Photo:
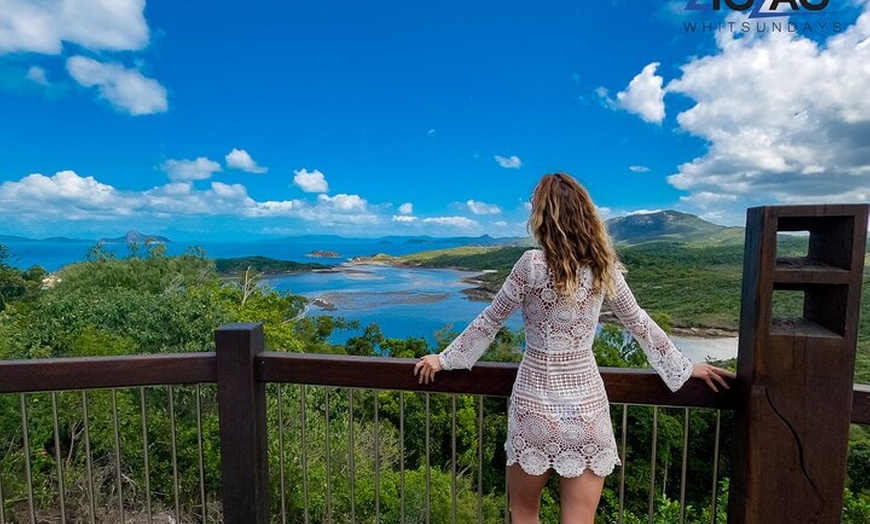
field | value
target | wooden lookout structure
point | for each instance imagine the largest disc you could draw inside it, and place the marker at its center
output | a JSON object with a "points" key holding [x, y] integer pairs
{"points": [[795, 375]]}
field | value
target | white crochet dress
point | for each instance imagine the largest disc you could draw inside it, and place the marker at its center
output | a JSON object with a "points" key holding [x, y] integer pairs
{"points": [[559, 415]]}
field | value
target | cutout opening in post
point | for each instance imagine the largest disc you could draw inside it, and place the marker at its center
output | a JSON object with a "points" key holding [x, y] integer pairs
{"points": [[810, 310], [819, 242]]}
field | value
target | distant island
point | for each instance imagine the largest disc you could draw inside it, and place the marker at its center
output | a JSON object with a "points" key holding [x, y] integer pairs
{"points": [[323, 254], [230, 267], [135, 237]]}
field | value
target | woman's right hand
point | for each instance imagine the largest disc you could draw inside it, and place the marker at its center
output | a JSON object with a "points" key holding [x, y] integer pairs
{"points": [[712, 375], [426, 368]]}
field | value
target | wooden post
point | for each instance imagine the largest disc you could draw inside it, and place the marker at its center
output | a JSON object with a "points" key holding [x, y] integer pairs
{"points": [[795, 375], [242, 414]]}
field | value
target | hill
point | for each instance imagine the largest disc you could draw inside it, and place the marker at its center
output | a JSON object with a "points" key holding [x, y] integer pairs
{"points": [[671, 225]]}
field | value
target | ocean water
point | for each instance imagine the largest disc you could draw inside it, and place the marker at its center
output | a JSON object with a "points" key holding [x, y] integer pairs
{"points": [[53, 255]]}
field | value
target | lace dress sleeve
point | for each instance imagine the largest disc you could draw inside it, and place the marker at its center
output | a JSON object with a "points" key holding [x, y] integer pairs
{"points": [[465, 349], [674, 367]]}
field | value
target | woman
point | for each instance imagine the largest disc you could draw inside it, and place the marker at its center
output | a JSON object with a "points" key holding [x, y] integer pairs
{"points": [[559, 415]]}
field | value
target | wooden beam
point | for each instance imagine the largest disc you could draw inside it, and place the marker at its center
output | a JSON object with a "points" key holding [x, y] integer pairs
{"points": [[57, 374], [631, 386]]}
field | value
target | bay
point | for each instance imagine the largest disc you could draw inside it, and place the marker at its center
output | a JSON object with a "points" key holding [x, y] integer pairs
{"points": [[417, 302], [403, 302]]}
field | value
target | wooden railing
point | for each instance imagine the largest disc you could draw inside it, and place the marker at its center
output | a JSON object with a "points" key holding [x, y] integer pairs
{"points": [[241, 368]]}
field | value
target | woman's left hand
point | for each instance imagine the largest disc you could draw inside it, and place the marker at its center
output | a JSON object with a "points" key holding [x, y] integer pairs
{"points": [[426, 368], [712, 375]]}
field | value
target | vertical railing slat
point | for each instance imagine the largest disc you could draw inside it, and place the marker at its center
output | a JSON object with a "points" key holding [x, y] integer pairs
{"points": [[173, 446], [280, 402], [145, 454], [57, 457], [652, 466], [89, 461], [27, 472], [684, 465], [117, 432], [715, 490], [402, 456], [304, 435], [200, 457], [622, 453]]}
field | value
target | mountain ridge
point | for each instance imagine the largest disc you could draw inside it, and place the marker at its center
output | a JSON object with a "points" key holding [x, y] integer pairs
{"points": [[673, 225]]}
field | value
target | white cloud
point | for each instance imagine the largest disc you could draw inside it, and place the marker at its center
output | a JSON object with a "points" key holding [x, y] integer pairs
{"points": [[406, 209], [185, 170], [62, 196], [104, 26], [42, 27], [768, 142], [240, 159], [313, 182], [344, 203], [67, 196], [643, 212], [279, 208], [38, 75], [509, 162], [775, 143], [639, 169], [705, 199], [482, 208], [63, 185], [126, 89], [644, 95], [457, 222]]}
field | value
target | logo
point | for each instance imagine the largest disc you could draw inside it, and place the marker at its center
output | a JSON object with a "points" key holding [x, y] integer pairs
{"points": [[761, 8]]}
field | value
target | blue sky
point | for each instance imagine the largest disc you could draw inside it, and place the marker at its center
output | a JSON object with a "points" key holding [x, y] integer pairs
{"points": [[203, 120]]}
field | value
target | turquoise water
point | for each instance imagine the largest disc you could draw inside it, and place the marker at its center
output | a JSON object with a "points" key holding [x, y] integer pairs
{"points": [[404, 302]]}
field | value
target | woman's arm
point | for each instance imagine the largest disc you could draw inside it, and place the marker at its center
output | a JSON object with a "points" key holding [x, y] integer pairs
{"points": [[468, 347], [671, 364]]}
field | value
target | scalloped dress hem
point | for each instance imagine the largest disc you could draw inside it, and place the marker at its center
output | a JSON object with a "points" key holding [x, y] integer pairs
{"points": [[601, 466]]}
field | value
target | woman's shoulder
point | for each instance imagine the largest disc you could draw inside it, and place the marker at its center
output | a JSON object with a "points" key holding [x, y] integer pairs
{"points": [[532, 256]]}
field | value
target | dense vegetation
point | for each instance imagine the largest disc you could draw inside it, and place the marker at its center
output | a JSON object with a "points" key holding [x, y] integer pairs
{"points": [[153, 303], [263, 265]]}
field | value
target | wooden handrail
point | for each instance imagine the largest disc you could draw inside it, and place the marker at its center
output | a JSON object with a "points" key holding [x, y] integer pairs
{"points": [[58, 374], [629, 386], [861, 404]]}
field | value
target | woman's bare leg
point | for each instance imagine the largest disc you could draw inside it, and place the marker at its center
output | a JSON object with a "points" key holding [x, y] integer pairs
{"points": [[525, 494], [579, 497]]}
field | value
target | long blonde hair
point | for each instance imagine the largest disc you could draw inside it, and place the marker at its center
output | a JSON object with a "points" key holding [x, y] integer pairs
{"points": [[572, 235]]}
